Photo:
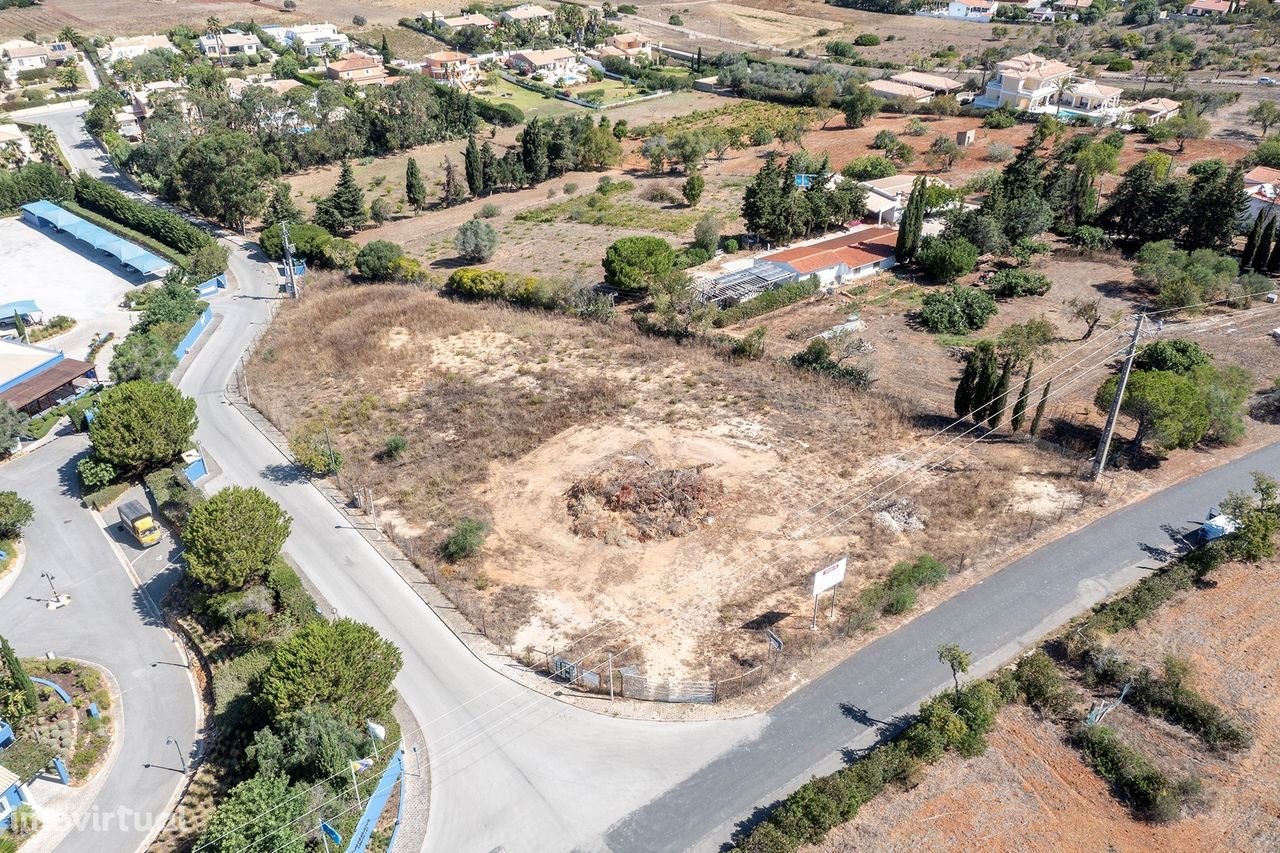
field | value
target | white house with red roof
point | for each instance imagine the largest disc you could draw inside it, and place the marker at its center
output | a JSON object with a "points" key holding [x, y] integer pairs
{"points": [[1207, 8], [1262, 188]]}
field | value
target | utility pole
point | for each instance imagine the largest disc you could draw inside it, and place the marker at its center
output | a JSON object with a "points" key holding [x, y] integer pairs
{"points": [[288, 259], [1104, 443]]}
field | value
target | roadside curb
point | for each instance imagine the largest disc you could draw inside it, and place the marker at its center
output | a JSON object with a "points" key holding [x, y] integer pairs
{"points": [[90, 790], [9, 578], [473, 640]]}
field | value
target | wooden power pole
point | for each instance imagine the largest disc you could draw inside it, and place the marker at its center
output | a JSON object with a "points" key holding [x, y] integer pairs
{"points": [[1104, 443]]}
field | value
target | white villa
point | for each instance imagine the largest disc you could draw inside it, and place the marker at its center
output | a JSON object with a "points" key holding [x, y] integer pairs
{"points": [[558, 63], [230, 43], [21, 55], [131, 47], [530, 15], [978, 11], [311, 39], [1025, 82]]}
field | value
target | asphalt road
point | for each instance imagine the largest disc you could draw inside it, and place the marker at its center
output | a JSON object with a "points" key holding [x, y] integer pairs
{"points": [[994, 620], [111, 623], [524, 771]]}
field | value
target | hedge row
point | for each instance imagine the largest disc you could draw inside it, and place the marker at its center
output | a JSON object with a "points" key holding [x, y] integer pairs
{"points": [[155, 222], [950, 721], [511, 287], [768, 301], [501, 114], [1154, 590], [1132, 773]]}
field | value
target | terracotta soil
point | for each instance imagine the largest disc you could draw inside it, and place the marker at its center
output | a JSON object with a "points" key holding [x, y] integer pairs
{"points": [[1031, 791]]}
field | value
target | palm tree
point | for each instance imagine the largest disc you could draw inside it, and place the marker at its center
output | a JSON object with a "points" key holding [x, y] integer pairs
{"points": [[69, 35], [43, 142], [213, 27], [69, 77], [1063, 85], [11, 154]]}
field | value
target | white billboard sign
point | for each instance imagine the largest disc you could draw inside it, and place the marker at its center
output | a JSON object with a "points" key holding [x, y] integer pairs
{"points": [[829, 577]]}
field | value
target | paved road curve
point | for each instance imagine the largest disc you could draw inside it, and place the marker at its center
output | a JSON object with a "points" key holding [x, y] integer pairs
{"points": [[520, 770], [994, 620], [108, 623]]}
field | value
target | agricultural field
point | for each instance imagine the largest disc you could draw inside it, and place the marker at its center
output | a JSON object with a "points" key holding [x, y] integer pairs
{"points": [[534, 424], [1032, 791]]}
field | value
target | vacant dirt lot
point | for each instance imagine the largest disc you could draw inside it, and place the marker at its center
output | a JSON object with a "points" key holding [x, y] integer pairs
{"points": [[1032, 792], [505, 412]]}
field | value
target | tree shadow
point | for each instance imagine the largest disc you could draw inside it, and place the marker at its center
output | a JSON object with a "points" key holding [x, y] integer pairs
{"points": [[765, 620], [284, 473], [1115, 288]]}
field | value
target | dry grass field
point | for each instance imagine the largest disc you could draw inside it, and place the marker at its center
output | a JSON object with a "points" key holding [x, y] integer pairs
{"points": [[511, 417], [1032, 792]]}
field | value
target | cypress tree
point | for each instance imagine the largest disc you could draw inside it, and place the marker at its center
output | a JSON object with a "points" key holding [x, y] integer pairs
{"points": [[19, 326], [979, 381], [1263, 251], [19, 681], [1035, 420], [415, 190], [489, 168], [996, 408], [533, 152], [347, 199], [472, 166], [912, 222], [453, 191], [1251, 242], [1273, 262], [385, 50], [1020, 406]]}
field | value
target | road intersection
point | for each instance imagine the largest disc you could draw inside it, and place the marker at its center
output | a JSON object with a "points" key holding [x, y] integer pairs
{"points": [[521, 770]]}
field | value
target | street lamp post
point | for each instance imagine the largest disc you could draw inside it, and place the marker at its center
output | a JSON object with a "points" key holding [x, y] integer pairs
{"points": [[49, 578], [181, 758]]}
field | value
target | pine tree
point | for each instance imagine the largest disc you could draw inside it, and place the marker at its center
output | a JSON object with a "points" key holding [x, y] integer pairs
{"points": [[1251, 242], [19, 681], [762, 201], [1263, 251], [912, 222], [347, 200], [415, 189], [1035, 420], [1020, 406], [281, 207], [997, 405], [1215, 203], [533, 151], [473, 168]]}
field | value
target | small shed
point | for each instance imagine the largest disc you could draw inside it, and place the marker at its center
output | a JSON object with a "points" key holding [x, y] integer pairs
{"points": [[965, 138]]}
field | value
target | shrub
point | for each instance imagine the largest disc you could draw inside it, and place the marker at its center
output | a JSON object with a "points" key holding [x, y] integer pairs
{"points": [[465, 541], [501, 114], [631, 263], [95, 474], [376, 259], [1131, 772], [1183, 706], [291, 596], [513, 287], [489, 211], [957, 310], [998, 152], [1019, 282], [817, 358], [947, 260], [476, 241], [998, 120], [730, 245], [312, 448], [866, 40], [395, 447]]}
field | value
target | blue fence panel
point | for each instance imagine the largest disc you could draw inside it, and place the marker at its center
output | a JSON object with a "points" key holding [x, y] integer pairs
{"points": [[62, 694], [377, 803], [189, 341]]}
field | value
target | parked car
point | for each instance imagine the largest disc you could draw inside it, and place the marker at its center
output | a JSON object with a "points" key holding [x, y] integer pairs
{"points": [[1215, 527], [1266, 81]]}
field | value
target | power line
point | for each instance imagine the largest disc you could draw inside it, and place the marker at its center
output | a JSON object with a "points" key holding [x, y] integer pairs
{"points": [[1096, 348], [456, 747]]}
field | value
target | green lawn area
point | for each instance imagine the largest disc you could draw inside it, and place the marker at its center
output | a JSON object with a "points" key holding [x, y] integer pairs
{"points": [[530, 103], [614, 90]]}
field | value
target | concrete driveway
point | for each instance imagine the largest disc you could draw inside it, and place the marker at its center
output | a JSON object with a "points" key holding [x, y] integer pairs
{"points": [[112, 623]]}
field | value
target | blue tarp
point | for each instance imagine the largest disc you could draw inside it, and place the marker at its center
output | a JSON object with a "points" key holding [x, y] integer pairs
{"points": [[47, 213]]}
